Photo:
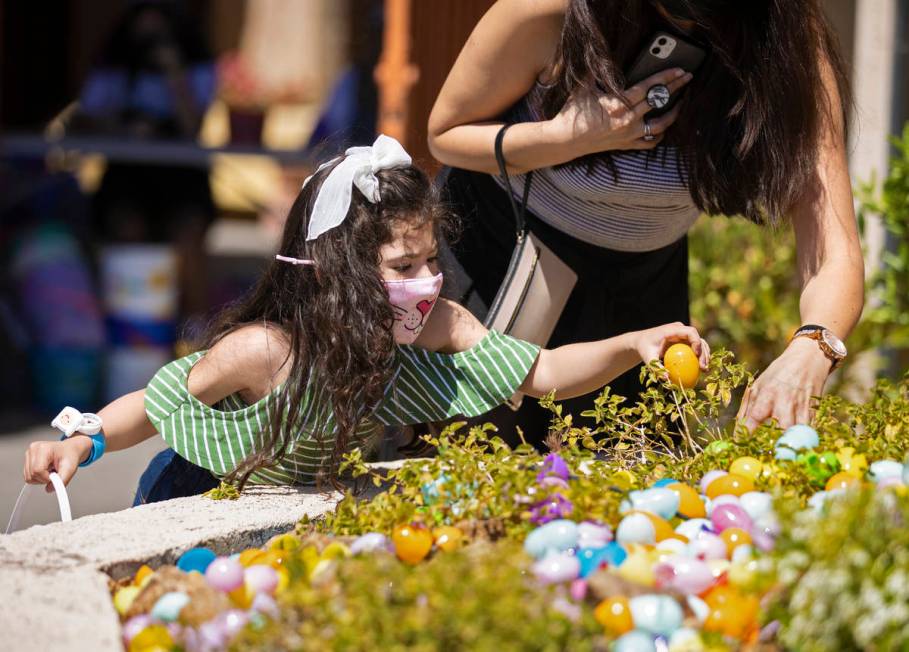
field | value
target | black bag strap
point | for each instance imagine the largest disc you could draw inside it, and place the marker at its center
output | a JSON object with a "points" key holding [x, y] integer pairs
{"points": [[519, 214]]}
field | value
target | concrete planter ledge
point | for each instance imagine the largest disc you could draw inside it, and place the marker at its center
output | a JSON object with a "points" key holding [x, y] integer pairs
{"points": [[54, 577]]}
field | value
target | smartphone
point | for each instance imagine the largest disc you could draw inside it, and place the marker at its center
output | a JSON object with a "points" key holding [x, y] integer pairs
{"points": [[665, 51]]}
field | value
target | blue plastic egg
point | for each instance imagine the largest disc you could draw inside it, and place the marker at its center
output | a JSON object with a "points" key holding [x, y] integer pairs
{"points": [[664, 481], [659, 500], [656, 614], [635, 641], [432, 490], [555, 536], [885, 469], [168, 606], [196, 559], [783, 453]]}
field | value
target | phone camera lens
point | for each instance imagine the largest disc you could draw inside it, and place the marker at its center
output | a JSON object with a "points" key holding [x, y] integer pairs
{"points": [[655, 51], [662, 41]]}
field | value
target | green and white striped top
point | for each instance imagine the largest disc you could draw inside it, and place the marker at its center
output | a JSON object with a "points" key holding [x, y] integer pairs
{"points": [[425, 386]]}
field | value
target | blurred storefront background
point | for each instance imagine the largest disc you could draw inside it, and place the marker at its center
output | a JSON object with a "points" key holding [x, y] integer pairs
{"points": [[149, 151]]}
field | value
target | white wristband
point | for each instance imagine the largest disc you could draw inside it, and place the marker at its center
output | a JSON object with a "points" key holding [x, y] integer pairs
{"points": [[70, 421]]}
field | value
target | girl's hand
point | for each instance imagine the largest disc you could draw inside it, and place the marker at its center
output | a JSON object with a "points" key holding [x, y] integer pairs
{"points": [[652, 343], [64, 457], [784, 390], [600, 122]]}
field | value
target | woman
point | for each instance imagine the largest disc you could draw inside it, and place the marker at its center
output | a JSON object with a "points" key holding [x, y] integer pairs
{"points": [[759, 132]]}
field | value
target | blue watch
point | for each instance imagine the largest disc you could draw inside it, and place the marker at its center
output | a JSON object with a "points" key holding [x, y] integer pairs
{"points": [[98, 445]]}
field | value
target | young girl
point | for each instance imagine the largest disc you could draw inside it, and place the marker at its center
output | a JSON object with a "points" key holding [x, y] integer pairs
{"points": [[335, 343]]}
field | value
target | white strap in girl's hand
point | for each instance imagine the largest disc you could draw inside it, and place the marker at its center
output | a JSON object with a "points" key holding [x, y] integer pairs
{"points": [[29, 489]]}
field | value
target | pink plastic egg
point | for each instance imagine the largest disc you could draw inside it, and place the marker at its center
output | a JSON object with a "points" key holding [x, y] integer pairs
{"points": [[261, 579], [709, 477], [729, 515], [707, 546], [224, 574], [133, 626], [684, 574], [232, 621]]}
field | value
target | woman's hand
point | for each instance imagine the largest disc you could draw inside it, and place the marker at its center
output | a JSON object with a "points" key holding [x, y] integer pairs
{"points": [[600, 122], [652, 343], [64, 457], [784, 390]]}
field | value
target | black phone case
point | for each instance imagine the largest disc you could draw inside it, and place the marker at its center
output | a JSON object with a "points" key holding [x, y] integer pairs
{"points": [[686, 56]]}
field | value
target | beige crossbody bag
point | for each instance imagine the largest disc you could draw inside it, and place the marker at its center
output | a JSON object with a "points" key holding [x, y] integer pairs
{"points": [[537, 284]]}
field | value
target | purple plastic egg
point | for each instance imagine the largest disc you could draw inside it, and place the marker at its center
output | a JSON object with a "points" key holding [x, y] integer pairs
{"points": [[709, 477], [707, 546], [133, 626], [557, 567], [684, 574], [212, 635], [593, 535], [730, 515], [265, 604], [369, 542], [261, 579], [224, 574], [232, 621]]}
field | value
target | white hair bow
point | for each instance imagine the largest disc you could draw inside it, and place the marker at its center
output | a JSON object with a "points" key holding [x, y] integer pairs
{"points": [[358, 167]]}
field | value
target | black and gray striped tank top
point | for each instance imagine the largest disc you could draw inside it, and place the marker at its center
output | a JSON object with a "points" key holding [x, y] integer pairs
{"points": [[648, 207]]}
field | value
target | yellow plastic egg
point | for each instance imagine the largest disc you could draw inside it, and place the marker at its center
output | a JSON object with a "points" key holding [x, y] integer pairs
{"points": [[748, 467], [615, 615], [854, 465], [123, 598], [248, 556], [242, 597], [743, 575], [335, 550], [638, 567], [283, 580], [286, 541], [623, 479], [682, 365], [690, 503], [448, 537], [153, 638], [731, 484]]}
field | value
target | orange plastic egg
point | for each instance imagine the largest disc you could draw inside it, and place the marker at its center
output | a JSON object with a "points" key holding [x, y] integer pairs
{"points": [[682, 365], [615, 615], [690, 503], [735, 618], [731, 484], [248, 556], [842, 480], [448, 537], [144, 572], [412, 541], [735, 537]]}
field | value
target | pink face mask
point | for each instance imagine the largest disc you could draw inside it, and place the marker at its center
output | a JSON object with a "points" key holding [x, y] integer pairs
{"points": [[412, 300]]}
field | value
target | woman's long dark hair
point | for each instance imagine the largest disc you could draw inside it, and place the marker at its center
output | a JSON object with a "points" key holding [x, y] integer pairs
{"points": [[754, 113], [335, 315]]}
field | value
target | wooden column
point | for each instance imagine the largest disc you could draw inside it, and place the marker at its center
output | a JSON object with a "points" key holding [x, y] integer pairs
{"points": [[395, 74]]}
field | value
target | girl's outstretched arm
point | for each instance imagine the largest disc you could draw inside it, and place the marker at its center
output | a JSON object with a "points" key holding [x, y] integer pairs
{"points": [[577, 369], [249, 361]]}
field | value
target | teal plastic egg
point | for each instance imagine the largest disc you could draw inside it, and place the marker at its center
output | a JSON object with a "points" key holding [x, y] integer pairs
{"points": [[693, 527], [656, 614], [635, 641], [196, 559], [555, 536], [168, 606], [799, 437], [885, 469], [658, 500]]}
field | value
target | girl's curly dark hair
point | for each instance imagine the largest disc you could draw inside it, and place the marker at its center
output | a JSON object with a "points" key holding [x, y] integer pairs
{"points": [[336, 314]]}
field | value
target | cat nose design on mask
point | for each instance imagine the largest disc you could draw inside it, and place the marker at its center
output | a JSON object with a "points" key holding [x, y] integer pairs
{"points": [[413, 300]]}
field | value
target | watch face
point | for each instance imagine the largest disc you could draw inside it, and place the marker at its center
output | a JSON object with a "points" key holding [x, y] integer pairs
{"points": [[835, 343]]}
